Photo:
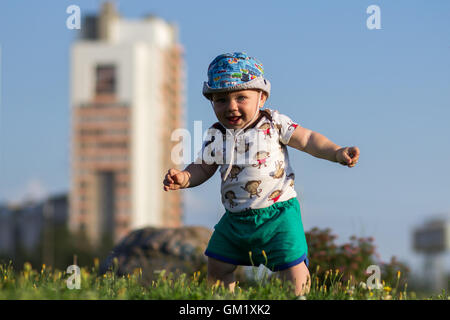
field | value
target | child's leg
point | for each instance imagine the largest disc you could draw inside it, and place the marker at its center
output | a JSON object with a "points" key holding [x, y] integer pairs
{"points": [[299, 276], [218, 270]]}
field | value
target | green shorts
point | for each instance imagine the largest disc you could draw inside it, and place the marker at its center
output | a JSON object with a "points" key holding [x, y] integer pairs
{"points": [[241, 237]]}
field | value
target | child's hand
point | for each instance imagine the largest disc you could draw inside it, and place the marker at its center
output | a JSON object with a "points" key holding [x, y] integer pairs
{"points": [[176, 179], [348, 156]]}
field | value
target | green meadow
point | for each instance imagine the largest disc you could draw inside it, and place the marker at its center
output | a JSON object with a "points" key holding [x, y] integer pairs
{"points": [[44, 283]]}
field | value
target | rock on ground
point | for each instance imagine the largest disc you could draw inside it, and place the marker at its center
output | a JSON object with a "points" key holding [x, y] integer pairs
{"points": [[178, 250]]}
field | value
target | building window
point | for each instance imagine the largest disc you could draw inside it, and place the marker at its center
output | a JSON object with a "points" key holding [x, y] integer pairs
{"points": [[105, 79]]}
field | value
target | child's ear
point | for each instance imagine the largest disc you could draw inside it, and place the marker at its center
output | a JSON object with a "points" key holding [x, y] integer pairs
{"points": [[263, 99]]}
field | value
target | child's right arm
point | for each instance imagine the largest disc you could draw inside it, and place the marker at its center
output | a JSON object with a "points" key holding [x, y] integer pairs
{"points": [[192, 176]]}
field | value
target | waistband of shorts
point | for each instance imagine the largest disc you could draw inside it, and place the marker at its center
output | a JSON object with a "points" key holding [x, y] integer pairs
{"points": [[273, 207]]}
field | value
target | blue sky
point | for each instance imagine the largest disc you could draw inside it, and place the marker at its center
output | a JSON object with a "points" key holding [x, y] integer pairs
{"points": [[385, 91]]}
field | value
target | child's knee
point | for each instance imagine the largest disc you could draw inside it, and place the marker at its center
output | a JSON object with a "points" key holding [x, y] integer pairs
{"points": [[299, 275], [217, 268]]}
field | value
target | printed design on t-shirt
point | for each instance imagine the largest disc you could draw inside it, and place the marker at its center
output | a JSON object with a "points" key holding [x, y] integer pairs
{"points": [[235, 170], [278, 126], [264, 174], [279, 170], [252, 188], [274, 196], [265, 128], [291, 178], [261, 157], [230, 195]]}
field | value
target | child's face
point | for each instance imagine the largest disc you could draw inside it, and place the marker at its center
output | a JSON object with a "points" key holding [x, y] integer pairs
{"points": [[235, 109]]}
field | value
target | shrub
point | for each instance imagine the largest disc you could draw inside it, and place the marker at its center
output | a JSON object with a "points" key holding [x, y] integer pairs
{"points": [[351, 259]]}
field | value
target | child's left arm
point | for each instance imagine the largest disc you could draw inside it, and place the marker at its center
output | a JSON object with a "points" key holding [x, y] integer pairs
{"points": [[320, 146]]}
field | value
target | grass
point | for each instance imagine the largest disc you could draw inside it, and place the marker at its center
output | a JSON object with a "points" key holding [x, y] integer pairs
{"points": [[52, 284]]}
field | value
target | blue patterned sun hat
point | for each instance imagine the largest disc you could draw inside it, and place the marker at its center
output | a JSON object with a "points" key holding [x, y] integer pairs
{"points": [[235, 71]]}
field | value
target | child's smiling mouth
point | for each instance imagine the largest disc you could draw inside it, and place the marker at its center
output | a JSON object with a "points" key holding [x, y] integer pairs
{"points": [[233, 120]]}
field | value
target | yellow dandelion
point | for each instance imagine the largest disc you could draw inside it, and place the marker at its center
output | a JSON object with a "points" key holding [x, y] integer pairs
{"points": [[265, 256], [388, 289], [398, 274], [216, 285], [250, 256], [27, 266]]}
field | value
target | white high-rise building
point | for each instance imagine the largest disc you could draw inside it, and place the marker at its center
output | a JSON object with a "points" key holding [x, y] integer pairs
{"points": [[126, 99]]}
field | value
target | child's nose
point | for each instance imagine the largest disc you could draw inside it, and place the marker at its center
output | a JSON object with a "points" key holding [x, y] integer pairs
{"points": [[232, 105]]}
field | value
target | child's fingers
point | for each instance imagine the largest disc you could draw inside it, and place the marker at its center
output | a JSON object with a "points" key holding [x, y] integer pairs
{"points": [[347, 158], [175, 179], [169, 178], [179, 178], [167, 182], [171, 174], [353, 152], [171, 186], [354, 161]]}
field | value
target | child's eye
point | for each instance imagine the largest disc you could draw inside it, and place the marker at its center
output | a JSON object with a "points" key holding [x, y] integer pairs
{"points": [[221, 100], [241, 98]]}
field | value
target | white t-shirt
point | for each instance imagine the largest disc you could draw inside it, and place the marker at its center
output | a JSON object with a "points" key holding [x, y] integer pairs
{"points": [[261, 173]]}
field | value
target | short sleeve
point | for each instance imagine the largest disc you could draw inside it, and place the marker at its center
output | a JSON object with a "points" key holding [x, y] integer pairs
{"points": [[284, 125]]}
